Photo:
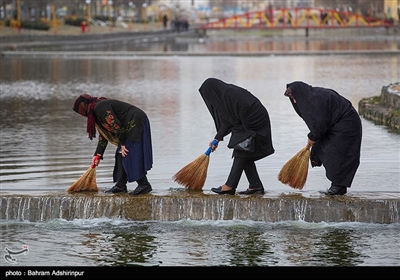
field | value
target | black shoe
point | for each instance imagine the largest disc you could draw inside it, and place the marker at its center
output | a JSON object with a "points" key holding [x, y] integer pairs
{"points": [[337, 190], [220, 191], [141, 189], [251, 191], [117, 189]]}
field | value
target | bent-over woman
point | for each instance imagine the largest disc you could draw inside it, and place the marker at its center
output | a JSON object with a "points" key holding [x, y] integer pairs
{"points": [[335, 132], [128, 128], [238, 112]]}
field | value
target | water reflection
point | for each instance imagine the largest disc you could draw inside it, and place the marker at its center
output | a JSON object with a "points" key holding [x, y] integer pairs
{"points": [[336, 248], [134, 248], [102, 242], [249, 248], [297, 45], [247, 44]]}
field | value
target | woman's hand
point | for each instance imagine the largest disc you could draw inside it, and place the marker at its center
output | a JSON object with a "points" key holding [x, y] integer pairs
{"points": [[96, 160], [310, 142], [124, 151], [213, 147]]}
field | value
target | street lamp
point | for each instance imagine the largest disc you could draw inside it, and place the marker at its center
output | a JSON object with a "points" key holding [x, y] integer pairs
{"points": [[144, 5], [54, 19], [109, 13], [131, 13], [88, 14], [19, 15]]}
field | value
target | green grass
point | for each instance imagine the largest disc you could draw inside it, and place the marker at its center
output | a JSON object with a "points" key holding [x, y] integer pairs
{"points": [[372, 100]]}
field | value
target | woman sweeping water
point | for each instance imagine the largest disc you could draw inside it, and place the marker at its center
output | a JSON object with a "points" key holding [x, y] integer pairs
{"points": [[127, 127], [335, 132], [238, 112]]}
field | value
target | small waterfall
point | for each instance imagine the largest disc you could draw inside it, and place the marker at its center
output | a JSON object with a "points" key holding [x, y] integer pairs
{"points": [[198, 206]]}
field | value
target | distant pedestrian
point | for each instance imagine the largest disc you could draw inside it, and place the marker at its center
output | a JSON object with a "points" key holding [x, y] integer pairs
{"points": [[176, 25], [165, 21], [185, 25]]}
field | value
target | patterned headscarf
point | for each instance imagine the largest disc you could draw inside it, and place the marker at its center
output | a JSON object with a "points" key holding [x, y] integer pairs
{"points": [[84, 105]]}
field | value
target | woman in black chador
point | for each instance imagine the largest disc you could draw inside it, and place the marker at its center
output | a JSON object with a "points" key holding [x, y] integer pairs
{"points": [[128, 128], [235, 110], [335, 132]]}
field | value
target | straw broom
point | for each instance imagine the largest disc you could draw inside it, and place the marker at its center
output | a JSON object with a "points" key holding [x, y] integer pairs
{"points": [[294, 172], [193, 175], [87, 182]]}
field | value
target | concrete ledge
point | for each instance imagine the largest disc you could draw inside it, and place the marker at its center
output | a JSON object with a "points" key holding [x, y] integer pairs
{"points": [[383, 109], [183, 204], [67, 54], [16, 42]]}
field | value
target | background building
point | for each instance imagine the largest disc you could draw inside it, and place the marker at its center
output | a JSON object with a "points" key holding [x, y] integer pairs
{"points": [[192, 10]]}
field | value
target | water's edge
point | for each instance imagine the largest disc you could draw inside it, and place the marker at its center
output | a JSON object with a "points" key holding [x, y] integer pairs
{"points": [[178, 205]]}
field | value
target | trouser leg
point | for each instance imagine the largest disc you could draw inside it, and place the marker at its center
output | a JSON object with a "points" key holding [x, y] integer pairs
{"points": [[237, 168], [143, 186], [250, 170], [121, 178], [143, 181]]}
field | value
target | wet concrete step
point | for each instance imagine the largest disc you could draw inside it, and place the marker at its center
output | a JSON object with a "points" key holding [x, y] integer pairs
{"points": [[195, 205]]}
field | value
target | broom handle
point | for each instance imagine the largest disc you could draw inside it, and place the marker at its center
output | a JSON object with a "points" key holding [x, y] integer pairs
{"points": [[208, 152], [97, 158]]}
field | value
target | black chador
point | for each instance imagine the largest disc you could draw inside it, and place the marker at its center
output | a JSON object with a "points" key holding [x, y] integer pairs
{"points": [[335, 127], [237, 111]]}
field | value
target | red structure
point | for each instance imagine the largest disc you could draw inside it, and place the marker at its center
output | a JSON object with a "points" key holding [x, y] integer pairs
{"points": [[295, 18], [83, 26]]}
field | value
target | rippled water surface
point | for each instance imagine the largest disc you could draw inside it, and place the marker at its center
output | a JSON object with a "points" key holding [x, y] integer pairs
{"points": [[44, 147], [103, 242]]}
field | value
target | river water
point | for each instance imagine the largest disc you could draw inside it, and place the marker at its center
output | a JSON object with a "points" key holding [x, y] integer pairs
{"points": [[44, 147]]}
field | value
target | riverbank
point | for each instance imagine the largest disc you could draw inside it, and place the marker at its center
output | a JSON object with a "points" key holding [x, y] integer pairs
{"points": [[14, 39], [69, 30]]}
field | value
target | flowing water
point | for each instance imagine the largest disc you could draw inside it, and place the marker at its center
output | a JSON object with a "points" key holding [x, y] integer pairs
{"points": [[44, 147]]}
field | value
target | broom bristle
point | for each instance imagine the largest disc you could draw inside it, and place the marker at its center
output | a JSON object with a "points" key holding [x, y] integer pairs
{"points": [[294, 172], [194, 174], [87, 182]]}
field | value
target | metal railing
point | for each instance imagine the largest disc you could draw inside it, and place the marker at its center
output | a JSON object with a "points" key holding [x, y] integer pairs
{"points": [[292, 18]]}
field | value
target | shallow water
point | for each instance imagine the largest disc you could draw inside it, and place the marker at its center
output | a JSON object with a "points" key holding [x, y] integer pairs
{"points": [[44, 147], [104, 242]]}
